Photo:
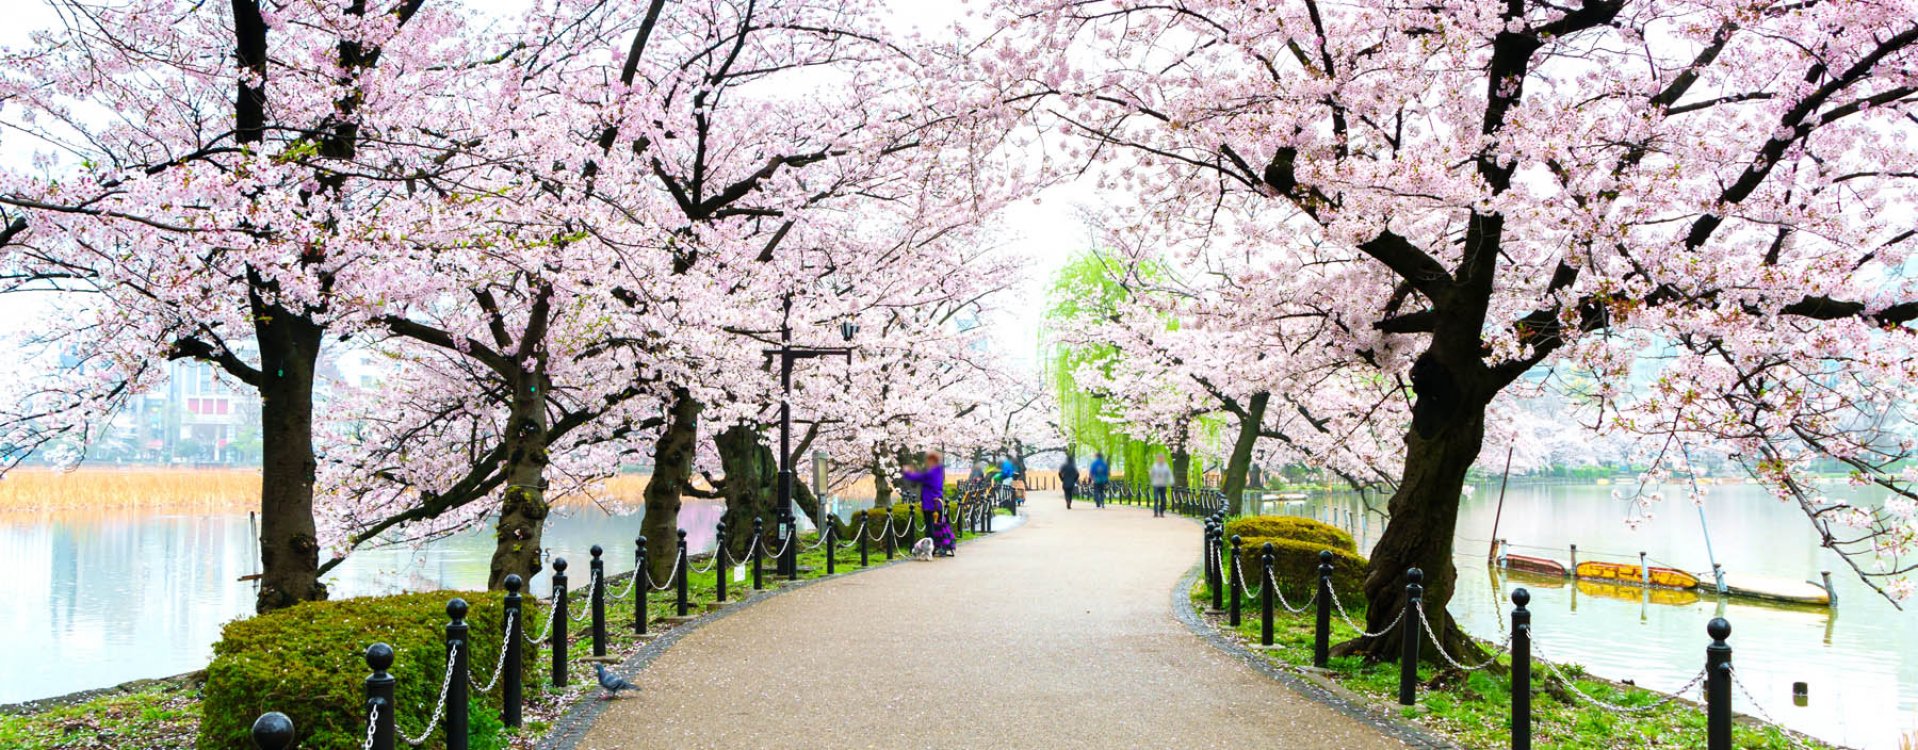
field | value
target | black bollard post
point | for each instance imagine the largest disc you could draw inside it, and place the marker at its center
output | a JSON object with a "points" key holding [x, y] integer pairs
{"points": [[682, 603], [759, 553], [596, 598], [273, 731], [558, 641], [1322, 628], [719, 563], [459, 649], [790, 559], [1205, 555], [1265, 595], [1232, 579], [1218, 551], [892, 538], [1521, 670], [642, 585], [379, 694], [1718, 686], [510, 696], [863, 559], [830, 531], [1409, 637]]}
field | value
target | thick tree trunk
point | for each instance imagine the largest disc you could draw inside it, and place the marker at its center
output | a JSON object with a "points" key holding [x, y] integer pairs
{"points": [[672, 469], [752, 481], [881, 485], [1239, 465], [289, 546], [523, 510], [1448, 429]]}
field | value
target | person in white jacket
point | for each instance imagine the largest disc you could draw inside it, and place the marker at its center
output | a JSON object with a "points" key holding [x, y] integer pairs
{"points": [[1161, 482]]}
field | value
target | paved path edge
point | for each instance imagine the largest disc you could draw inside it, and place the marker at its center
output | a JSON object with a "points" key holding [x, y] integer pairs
{"points": [[1322, 692], [571, 726]]}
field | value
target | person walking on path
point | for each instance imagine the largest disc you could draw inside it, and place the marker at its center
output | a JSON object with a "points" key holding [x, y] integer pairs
{"points": [[1009, 474], [1101, 475], [932, 501], [1161, 483], [1069, 480]]}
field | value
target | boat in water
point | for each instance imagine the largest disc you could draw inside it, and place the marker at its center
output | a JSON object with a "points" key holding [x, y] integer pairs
{"points": [[1773, 589], [1633, 574], [1538, 565]]}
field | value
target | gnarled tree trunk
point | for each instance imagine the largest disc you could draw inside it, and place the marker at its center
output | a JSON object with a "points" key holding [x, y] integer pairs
{"points": [[752, 480], [1448, 430], [672, 469], [523, 510], [1239, 465], [289, 545]]}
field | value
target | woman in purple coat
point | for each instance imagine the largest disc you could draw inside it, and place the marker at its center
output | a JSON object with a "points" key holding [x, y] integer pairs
{"points": [[932, 493]]}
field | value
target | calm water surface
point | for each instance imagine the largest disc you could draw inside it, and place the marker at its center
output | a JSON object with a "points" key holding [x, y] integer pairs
{"points": [[100, 598], [1858, 659]]}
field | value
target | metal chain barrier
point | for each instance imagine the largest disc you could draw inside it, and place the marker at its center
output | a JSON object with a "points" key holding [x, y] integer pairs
{"points": [[585, 612], [551, 611], [1299, 610], [446, 686], [1552, 667], [712, 562], [372, 723], [632, 583], [1762, 713], [1238, 571], [499, 667], [1347, 617], [670, 577], [1497, 651]]}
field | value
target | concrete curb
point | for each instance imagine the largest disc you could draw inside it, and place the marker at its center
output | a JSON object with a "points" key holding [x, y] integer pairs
{"points": [[572, 725], [1313, 687]]}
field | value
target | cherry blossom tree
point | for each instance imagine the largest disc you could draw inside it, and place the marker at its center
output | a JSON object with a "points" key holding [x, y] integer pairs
{"points": [[222, 180], [1459, 193]]}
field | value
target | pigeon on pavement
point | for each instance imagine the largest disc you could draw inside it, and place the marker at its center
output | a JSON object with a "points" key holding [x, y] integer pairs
{"points": [[611, 682]]}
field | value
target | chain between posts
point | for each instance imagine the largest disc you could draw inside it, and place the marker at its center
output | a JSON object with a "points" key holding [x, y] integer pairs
{"points": [[670, 577], [446, 685], [1269, 581], [1762, 713], [1347, 617], [551, 611], [585, 612], [1250, 593], [500, 666], [372, 725], [1497, 651], [1582, 695]]}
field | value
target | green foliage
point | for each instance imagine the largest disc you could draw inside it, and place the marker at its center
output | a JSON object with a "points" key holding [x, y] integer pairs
{"points": [[1295, 565], [1291, 527], [488, 728], [160, 715], [307, 661]]}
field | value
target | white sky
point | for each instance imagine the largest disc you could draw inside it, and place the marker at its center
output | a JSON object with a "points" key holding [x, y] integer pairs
{"points": [[1044, 231]]}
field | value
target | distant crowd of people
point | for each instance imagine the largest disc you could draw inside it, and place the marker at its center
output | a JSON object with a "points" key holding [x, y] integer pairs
{"points": [[1099, 475]]}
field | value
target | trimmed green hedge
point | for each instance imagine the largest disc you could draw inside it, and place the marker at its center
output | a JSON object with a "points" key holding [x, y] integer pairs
{"points": [[1290, 527], [1295, 565], [308, 662]]}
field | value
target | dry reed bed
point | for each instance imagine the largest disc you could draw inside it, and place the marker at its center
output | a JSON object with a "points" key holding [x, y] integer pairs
{"points": [[37, 489]]}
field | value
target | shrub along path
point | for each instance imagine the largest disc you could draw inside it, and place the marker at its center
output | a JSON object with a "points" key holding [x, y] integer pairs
{"points": [[1058, 635]]}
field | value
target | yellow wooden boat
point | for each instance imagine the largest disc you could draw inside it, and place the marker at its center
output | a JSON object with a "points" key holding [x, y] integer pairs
{"points": [[1633, 592], [1632, 574], [1774, 589]]}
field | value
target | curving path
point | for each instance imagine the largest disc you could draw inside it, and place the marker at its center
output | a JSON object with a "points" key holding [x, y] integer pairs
{"points": [[1056, 635]]}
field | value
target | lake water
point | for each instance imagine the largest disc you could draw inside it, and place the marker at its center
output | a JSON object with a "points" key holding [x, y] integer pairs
{"points": [[1857, 659], [100, 598]]}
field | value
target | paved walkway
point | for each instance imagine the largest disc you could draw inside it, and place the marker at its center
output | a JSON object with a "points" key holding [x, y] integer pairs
{"points": [[1055, 635]]}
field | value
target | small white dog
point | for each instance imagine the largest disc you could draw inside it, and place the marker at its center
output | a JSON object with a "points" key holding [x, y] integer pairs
{"points": [[922, 549]]}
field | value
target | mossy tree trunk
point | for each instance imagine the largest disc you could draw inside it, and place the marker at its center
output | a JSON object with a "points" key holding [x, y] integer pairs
{"points": [[1447, 432], [672, 471], [1239, 465], [523, 508]]}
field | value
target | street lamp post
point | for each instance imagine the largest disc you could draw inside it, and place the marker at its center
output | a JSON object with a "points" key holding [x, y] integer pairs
{"points": [[787, 354]]}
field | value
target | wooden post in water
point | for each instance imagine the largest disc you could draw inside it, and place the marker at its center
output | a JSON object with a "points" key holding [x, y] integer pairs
{"points": [[1497, 515]]}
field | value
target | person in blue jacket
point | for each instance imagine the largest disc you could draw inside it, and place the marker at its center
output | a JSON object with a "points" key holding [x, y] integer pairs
{"points": [[1101, 475]]}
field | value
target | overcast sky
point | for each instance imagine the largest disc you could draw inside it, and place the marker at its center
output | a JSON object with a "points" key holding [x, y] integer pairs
{"points": [[1043, 231]]}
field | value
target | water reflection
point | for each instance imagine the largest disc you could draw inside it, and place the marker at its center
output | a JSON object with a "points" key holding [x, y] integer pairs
{"points": [[106, 597], [1863, 680]]}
